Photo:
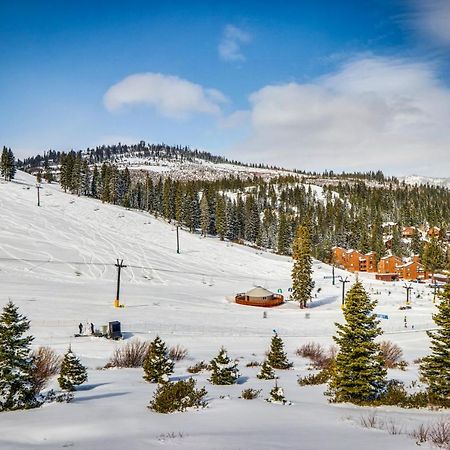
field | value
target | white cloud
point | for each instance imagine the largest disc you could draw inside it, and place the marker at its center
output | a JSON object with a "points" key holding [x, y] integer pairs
{"points": [[230, 44], [373, 113], [432, 17], [171, 96]]}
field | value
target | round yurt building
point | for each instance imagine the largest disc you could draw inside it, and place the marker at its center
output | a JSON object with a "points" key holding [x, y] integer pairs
{"points": [[259, 296]]}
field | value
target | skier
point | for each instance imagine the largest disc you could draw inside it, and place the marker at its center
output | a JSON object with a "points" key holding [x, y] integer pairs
{"points": [[92, 328], [80, 328]]}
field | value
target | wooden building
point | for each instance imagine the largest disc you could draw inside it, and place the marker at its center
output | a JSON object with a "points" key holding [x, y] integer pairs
{"points": [[388, 264], [259, 296]]}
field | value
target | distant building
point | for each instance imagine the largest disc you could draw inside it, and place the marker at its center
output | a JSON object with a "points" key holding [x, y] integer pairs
{"points": [[388, 264], [355, 261], [411, 271]]}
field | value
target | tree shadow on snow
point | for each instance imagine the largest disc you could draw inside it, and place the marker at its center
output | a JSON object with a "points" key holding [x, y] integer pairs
{"points": [[89, 387], [181, 378], [323, 301], [242, 380], [99, 396]]}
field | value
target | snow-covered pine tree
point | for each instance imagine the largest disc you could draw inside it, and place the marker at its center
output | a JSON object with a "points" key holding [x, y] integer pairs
{"points": [[16, 365], [157, 364], [276, 395], [266, 372], [302, 282], [72, 372], [435, 368], [276, 357], [224, 370], [359, 374]]}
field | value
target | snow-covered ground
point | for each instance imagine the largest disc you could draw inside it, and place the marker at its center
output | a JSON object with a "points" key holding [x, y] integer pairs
{"points": [[417, 179], [57, 265], [195, 169]]}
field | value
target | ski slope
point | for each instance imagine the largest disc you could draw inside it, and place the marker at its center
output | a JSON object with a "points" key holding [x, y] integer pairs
{"points": [[57, 264]]}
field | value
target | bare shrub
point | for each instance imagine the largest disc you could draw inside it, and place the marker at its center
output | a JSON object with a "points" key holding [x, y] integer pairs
{"points": [[178, 352], [392, 354], [321, 357], [420, 434], [46, 365], [250, 394], [392, 428], [370, 421], [311, 350], [253, 364], [132, 354], [439, 434], [198, 367]]}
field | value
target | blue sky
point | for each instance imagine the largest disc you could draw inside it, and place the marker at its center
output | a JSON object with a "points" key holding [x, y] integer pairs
{"points": [[349, 85]]}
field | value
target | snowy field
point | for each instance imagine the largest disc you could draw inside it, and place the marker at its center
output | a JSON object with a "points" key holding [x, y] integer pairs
{"points": [[57, 265]]}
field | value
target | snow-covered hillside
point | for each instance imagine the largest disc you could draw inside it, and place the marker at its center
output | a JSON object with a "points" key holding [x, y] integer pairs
{"points": [[196, 169], [417, 179], [57, 265]]}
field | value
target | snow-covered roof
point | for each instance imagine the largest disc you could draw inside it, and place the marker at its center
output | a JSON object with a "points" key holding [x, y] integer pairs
{"points": [[259, 291]]}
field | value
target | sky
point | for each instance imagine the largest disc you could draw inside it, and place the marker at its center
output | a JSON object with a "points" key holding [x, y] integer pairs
{"points": [[314, 85]]}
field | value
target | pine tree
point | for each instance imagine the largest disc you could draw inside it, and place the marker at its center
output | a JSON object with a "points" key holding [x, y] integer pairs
{"points": [[221, 218], [283, 235], [302, 282], [266, 372], [433, 256], [204, 215], [157, 364], [276, 357], [435, 368], [276, 395], [72, 372], [416, 243], [4, 164], [11, 165], [359, 375], [16, 366], [224, 370]]}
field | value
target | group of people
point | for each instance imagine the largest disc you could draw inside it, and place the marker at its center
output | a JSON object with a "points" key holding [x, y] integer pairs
{"points": [[84, 329]]}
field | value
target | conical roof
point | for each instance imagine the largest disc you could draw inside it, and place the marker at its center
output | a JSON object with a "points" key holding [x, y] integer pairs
{"points": [[259, 292]]}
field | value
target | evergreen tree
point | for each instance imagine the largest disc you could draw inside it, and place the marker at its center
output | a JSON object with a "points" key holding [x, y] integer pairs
{"points": [[276, 357], [433, 256], [266, 372], [72, 372], [435, 368], [7, 164], [221, 218], [157, 364], [224, 370], [16, 366], [359, 375], [11, 165], [4, 162], [204, 215], [276, 395], [397, 245], [302, 282], [416, 243], [283, 235]]}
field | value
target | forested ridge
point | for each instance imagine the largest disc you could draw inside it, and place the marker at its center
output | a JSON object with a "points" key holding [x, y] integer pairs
{"points": [[348, 210]]}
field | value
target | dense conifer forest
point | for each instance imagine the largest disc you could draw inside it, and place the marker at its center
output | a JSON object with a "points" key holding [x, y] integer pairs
{"points": [[349, 210]]}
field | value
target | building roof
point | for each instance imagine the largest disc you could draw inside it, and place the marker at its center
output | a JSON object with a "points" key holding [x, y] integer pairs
{"points": [[259, 291]]}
